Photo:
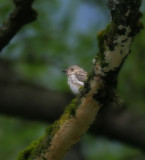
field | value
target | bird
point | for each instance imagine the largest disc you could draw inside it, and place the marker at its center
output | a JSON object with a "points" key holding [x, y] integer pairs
{"points": [[76, 77]]}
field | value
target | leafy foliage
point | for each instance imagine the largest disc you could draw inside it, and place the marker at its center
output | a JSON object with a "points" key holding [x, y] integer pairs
{"points": [[65, 34]]}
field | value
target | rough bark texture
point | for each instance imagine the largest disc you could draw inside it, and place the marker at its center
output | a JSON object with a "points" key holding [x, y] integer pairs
{"points": [[31, 102], [67, 130], [21, 15], [99, 89]]}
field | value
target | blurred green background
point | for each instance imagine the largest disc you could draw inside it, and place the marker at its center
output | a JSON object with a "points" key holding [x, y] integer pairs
{"points": [[65, 34]]}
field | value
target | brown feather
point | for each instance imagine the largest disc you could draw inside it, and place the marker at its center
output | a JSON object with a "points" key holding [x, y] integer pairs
{"points": [[81, 75]]}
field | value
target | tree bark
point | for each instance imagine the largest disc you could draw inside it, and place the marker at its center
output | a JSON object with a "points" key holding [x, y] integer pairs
{"points": [[29, 102], [21, 15], [99, 89]]}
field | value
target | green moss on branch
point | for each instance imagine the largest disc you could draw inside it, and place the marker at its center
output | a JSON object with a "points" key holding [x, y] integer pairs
{"points": [[125, 22], [114, 44]]}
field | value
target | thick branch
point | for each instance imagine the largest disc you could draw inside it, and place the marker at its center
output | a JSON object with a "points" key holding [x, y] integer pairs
{"points": [[32, 103], [99, 89], [21, 15], [121, 124], [24, 100], [36, 103]]}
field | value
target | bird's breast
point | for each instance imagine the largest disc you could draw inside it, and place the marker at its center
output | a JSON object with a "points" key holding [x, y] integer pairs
{"points": [[74, 84]]}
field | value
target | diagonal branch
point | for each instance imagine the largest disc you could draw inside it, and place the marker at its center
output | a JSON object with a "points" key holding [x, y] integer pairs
{"points": [[21, 15], [99, 89], [31, 102]]}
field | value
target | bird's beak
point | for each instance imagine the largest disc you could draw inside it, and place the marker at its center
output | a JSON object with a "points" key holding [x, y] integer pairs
{"points": [[64, 71]]}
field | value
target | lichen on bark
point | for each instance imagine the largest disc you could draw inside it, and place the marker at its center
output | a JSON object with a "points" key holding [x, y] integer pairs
{"points": [[116, 39], [100, 87]]}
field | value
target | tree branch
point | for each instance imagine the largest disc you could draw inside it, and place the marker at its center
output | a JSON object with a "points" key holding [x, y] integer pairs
{"points": [[99, 88], [36, 103], [32, 103], [21, 15], [19, 98], [121, 124]]}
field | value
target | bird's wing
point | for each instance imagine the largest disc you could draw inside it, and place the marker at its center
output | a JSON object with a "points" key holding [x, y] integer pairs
{"points": [[81, 76]]}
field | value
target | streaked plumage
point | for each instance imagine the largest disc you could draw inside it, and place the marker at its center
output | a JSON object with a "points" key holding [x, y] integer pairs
{"points": [[76, 77]]}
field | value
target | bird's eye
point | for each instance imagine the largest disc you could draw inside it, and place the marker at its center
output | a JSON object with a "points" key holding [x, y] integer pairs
{"points": [[72, 69]]}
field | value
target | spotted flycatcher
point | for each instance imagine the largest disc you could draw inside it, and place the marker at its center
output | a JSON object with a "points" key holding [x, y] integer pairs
{"points": [[76, 77]]}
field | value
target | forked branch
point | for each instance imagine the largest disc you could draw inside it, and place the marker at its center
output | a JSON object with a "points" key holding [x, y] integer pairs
{"points": [[99, 89]]}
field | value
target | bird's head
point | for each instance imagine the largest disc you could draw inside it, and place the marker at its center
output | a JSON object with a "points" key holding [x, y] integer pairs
{"points": [[72, 70]]}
